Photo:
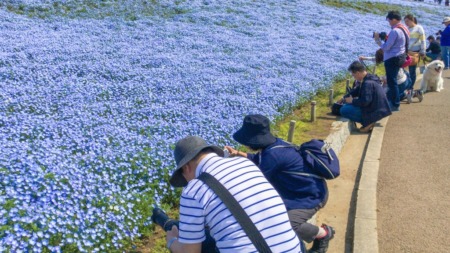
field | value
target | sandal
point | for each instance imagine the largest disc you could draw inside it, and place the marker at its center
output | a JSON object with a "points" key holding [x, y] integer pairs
{"points": [[367, 128]]}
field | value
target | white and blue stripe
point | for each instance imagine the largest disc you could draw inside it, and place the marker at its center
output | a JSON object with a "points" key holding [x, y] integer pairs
{"points": [[200, 206]]}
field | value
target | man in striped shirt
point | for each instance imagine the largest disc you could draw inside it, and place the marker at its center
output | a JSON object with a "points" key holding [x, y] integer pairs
{"points": [[200, 206]]}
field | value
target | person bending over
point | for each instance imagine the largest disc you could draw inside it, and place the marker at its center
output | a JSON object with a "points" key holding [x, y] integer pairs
{"points": [[200, 206]]}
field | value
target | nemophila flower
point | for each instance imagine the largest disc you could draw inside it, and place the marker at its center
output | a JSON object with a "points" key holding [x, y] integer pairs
{"points": [[90, 108]]}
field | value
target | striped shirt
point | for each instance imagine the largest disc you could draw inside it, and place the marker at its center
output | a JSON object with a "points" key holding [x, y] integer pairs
{"points": [[200, 206]]}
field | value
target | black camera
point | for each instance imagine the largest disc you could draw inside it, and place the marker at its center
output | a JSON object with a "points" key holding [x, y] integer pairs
{"points": [[439, 32], [160, 217], [383, 35]]}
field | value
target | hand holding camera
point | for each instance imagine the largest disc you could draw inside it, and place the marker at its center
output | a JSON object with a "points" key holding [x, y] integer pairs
{"points": [[381, 35]]}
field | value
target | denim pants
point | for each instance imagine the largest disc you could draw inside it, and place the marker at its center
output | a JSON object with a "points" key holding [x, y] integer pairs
{"points": [[351, 112], [392, 66], [432, 56], [412, 75], [445, 53]]}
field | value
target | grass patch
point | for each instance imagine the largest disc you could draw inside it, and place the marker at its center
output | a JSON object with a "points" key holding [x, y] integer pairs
{"points": [[367, 7]]}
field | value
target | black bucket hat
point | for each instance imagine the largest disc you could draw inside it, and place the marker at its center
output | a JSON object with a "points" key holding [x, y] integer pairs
{"points": [[255, 132], [185, 150]]}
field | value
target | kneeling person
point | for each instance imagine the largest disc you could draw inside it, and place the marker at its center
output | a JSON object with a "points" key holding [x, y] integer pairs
{"points": [[371, 103]]}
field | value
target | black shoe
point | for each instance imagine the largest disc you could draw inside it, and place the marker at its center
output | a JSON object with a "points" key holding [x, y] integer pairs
{"points": [[321, 245]]}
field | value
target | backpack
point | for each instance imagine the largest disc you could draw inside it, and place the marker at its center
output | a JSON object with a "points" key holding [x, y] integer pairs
{"points": [[319, 158]]}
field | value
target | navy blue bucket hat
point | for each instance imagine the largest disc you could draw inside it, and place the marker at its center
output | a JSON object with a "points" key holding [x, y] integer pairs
{"points": [[255, 132], [187, 149]]}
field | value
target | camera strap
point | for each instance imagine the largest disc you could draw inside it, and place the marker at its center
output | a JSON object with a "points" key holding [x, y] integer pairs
{"points": [[238, 212]]}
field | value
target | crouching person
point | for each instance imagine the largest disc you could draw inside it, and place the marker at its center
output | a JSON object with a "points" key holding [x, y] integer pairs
{"points": [[200, 206], [368, 103], [302, 193]]}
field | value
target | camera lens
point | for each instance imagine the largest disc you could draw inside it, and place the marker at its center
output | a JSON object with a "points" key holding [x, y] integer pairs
{"points": [[160, 217]]}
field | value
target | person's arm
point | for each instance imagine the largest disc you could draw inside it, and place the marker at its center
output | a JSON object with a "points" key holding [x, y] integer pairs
{"points": [[366, 58], [392, 37], [446, 32], [235, 152], [177, 247], [423, 43], [366, 96]]}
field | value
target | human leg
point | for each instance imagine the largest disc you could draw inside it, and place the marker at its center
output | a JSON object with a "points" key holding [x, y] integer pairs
{"points": [[412, 74], [445, 55], [351, 112], [392, 67]]}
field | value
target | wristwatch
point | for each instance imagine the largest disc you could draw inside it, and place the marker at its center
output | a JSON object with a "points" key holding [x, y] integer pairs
{"points": [[170, 242]]}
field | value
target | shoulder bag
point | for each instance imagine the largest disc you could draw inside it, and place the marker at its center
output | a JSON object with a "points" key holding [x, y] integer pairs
{"points": [[238, 212]]}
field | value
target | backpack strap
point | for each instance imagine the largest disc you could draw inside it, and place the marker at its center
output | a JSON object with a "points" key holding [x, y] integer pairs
{"points": [[305, 174]]}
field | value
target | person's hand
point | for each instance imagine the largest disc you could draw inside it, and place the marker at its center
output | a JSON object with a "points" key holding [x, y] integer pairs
{"points": [[361, 57], [232, 151], [376, 36], [422, 54], [172, 233], [349, 100]]}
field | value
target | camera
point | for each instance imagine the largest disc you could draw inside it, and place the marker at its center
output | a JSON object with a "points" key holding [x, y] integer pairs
{"points": [[439, 32], [160, 217], [383, 35]]}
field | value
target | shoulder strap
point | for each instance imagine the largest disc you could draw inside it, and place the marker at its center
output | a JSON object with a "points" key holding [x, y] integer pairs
{"points": [[238, 212], [305, 174], [406, 38]]}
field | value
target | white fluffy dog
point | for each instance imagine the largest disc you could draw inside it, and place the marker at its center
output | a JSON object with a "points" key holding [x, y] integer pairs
{"points": [[432, 77]]}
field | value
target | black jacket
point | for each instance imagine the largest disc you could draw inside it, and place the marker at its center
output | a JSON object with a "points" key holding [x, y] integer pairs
{"points": [[372, 100]]}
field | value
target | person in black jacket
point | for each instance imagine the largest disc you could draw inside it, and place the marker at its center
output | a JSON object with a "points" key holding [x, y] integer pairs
{"points": [[434, 49], [367, 103]]}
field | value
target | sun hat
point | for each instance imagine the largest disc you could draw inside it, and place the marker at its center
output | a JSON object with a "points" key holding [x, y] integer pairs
{"points": [[185, 150], [255, 132], [446, 19]]}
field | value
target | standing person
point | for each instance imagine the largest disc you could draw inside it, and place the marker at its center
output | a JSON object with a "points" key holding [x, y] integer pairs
{"points": [[394, 55], [200, 206], [368, 103], [434, 49], [445, 42], [416, 42], [302, 195]]}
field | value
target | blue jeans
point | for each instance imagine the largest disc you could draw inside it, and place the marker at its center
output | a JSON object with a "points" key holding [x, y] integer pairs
{"points": [[432, 56], [351, 112], [445, 52], [392, 66], [412, 74]]}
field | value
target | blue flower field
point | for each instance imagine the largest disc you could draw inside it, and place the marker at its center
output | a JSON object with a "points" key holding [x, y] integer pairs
{"points": [[93, 98]]}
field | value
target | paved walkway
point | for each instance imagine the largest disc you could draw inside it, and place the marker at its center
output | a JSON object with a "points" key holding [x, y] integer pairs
{"points": [[414, 177]]}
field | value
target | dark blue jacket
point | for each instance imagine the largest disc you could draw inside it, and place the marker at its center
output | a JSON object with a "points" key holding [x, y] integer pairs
{"points": [[445, 37], [372, 100], [297, 192]]}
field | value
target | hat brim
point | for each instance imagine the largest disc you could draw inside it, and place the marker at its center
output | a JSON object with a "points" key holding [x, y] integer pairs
{"points": [[253, 141], [177, 179]]}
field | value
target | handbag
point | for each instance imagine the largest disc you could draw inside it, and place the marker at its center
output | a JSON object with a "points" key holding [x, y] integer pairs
{"points": [[407, 62], [336, 109], [415, 58]]}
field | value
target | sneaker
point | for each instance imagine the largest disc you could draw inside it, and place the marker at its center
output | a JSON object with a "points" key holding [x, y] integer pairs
{"points": [[409, 97], [419, 95], [321, 245]]}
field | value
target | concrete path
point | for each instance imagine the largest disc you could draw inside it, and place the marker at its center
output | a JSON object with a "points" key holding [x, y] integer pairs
{"points": [[414, 177]]}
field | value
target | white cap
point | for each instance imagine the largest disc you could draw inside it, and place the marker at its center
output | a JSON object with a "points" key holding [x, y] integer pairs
{"points": [[446, 19]]}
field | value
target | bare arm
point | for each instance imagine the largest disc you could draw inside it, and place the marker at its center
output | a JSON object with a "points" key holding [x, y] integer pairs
{"points": [[178, 247]]}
